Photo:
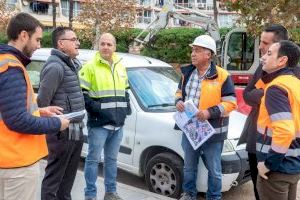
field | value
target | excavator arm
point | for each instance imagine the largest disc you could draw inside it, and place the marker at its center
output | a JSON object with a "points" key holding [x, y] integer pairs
{"points": [[162, 20]]}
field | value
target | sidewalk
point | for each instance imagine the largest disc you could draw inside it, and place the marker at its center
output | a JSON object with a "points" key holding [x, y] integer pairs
{"points": [[125, 191]]}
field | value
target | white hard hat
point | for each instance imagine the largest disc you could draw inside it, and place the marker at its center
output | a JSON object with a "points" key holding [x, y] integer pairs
{"points": [[205, 41]]}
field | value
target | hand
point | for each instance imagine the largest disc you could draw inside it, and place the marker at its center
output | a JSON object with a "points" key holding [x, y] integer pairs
{"points": [[262, 170], [203, 115], [50, 111], [180, 106], [64, 123]]}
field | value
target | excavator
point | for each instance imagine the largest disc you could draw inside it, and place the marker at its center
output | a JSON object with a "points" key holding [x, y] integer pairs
{"points": [[238, 53]]}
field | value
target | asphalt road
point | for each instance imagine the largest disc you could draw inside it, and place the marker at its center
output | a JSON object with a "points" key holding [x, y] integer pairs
{"points": [[240, 192]]}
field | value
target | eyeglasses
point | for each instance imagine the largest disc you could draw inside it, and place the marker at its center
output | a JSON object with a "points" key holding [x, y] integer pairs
{"points": [[71, 39]]}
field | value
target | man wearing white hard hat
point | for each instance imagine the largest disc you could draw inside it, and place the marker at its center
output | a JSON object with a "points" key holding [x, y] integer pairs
{"points": [[212, 91]]}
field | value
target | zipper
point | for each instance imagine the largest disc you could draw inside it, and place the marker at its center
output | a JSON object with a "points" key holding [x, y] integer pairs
{"points": [[113, 72]]}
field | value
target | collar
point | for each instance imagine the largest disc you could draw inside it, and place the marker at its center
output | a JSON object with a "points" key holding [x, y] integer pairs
{"points": [[267, 78], [7, 49], [115, 59], [210, 74], [66, 59]]}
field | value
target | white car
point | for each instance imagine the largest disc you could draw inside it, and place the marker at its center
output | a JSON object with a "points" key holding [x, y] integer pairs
{"points": [[151, 148]]}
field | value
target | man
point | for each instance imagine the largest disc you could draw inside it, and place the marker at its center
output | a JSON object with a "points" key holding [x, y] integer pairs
{"points": [[22, 143], [278, 124], [212, 91], [252, 97], [104, 82], [59, 86]]}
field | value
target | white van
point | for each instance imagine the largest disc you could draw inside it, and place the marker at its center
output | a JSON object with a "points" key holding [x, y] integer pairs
{"points": [[151, 148]]}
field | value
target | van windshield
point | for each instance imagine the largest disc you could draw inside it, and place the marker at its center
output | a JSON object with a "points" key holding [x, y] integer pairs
{"points": [[154, 87]]}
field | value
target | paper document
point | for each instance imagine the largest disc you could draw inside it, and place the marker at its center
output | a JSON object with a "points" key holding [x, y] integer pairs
{"points": [[73, 114], [196, 131]]}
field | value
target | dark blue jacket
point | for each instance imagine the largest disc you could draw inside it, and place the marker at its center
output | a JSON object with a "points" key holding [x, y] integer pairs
{"points": [[13, 97]]}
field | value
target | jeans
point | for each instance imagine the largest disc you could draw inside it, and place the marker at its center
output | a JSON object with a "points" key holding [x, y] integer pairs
{"points": [[110, 140], [61, 169], [211, 156]]}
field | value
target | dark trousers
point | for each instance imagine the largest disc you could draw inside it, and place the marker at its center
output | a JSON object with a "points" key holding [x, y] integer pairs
{"points": [[63, 159], [253, 168], [278, 186]]}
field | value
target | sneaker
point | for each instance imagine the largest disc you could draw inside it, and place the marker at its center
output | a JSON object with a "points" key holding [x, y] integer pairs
{"points": [[112, 196], [187, 196]]}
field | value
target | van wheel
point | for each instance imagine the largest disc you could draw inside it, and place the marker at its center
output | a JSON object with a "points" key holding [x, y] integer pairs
{"points": [[164, 174]]}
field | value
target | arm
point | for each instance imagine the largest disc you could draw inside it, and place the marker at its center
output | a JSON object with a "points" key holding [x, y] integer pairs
{"points": [[51, 77], [283, 128], [13, 106], [178, 94], [252, 96], [228, 101]]}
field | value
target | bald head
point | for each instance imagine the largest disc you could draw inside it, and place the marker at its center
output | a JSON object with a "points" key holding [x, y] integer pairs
{"points": [[107, 46]]}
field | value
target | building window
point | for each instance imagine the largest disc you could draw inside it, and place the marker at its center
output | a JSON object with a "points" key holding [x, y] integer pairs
{"points": [[11, 4], [144, 17], [39, 7], [65, 5], [184, 3], [144, 2]]}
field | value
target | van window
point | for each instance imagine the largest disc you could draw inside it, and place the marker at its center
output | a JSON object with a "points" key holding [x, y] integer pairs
{"points": [[154, 87], [34, 70]]}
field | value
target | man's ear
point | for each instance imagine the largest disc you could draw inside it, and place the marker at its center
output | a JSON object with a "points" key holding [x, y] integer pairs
{"points": [[283, 60], [23, 36]]}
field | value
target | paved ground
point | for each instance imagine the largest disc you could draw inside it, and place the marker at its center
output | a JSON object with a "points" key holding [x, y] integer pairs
{"points": [[131, 187], [125, 191]]}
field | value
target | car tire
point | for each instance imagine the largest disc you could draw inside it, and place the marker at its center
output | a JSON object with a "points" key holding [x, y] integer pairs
{"points": [[164, 174]]}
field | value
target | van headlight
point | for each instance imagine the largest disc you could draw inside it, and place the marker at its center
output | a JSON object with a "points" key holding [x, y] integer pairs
{"points": [[228, 147]]}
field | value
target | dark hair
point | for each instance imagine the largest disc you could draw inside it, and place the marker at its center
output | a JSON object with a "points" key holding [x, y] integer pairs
{"points": [[22, 22], [57, 33], [291, 50], [280, 32]]}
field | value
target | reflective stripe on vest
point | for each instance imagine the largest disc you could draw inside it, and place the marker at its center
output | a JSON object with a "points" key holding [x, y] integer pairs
{"points": [[113, 105], [105, 93], [265, 149]]}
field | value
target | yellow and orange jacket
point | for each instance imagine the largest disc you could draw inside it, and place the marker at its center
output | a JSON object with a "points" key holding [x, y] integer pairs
{"points": [[18, 148], [217, 96], [278, 125]]}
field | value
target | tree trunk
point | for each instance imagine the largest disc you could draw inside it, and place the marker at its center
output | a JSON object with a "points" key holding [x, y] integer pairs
{"points": [[54, 14], [71, 10], [215, 12]]}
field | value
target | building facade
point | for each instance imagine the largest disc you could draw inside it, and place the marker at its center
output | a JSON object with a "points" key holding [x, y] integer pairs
{"points": [[147, 11]]}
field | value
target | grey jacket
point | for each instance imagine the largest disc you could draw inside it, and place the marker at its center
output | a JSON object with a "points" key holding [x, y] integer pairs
{"points": [[59, 84]]}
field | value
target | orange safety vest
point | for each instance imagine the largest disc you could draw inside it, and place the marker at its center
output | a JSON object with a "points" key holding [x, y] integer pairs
{"points": [[17, 149]]}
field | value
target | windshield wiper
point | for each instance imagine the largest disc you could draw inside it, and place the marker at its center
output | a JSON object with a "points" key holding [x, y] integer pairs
{"points": [[161, 105]]}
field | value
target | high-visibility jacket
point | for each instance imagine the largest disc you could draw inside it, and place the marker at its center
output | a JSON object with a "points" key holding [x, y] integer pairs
{"points": [[217, 96], [16, 149], [278, 130], [104, 87]]}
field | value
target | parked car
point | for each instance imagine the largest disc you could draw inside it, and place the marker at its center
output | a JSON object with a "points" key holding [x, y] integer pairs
{"points": [[151, 148]]}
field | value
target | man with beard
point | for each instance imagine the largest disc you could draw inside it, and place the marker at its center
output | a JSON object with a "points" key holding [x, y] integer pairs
{"points": [[252, 96], [22, 139]]}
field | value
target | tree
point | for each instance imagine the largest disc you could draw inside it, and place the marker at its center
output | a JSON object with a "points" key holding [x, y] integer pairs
{"points": [[53, 13], [71, 12], [215, 11], [6, 14], [255, 14], [101, 16]]}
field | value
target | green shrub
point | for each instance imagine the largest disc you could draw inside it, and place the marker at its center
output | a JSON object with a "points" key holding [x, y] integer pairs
{"points": [[3, 39], [172, 45]]}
